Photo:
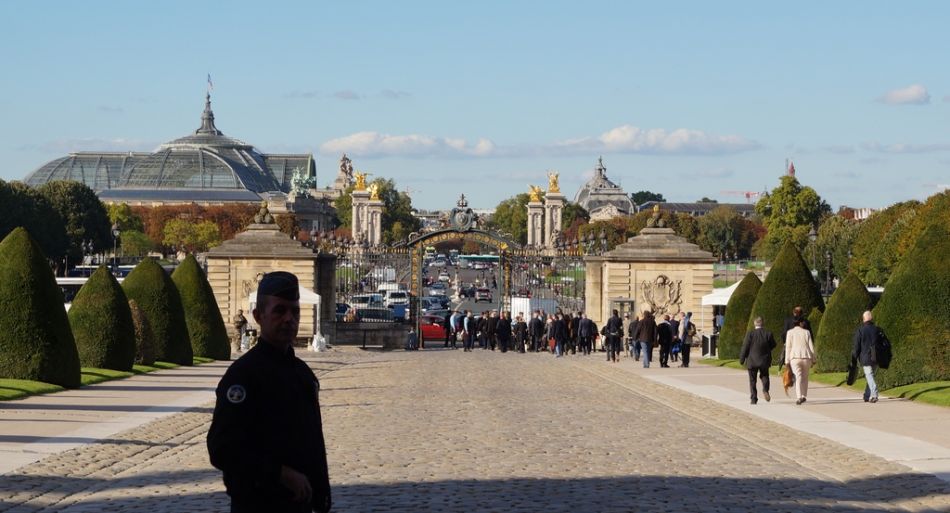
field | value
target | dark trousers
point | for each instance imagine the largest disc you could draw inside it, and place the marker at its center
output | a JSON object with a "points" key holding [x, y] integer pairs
{"points": [[762, 372], [685, 354], [503, 344], [613, 348], [664, 354], [467, 342], [449, 337], [585, 345]]}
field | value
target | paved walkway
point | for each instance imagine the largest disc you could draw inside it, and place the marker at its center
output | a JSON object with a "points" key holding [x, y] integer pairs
{"points": [[452, 431]]}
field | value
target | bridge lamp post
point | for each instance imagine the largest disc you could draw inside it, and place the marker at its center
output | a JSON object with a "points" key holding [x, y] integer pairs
{"points": [[115, 244], [813, 236]]}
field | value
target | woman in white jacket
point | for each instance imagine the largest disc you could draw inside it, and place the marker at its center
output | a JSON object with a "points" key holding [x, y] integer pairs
{"points": [[800, 356]]}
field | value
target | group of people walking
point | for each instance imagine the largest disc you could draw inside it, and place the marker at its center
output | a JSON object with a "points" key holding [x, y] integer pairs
{"points": [[562, 333], [799, 354]]}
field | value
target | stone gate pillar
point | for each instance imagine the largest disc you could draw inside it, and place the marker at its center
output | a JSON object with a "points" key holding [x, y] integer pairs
{"points": [[553, 208], [374, 222], [359, 222], [535, 223]]}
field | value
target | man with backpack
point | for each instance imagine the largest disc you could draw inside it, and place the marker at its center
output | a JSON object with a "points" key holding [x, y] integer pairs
{"points": [[873, 350]]}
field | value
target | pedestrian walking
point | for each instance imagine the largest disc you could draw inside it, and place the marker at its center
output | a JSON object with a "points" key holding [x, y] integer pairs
{"points": [[687, 334], [266, 432], [468, 327], [586, 331], [613, 330], [412, 340], [664, 335], [756, 355], [240, 327], [646, 337], [867, 339], [800, 356]]}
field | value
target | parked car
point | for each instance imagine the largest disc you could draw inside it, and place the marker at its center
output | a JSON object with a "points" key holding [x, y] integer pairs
{"points": [[443, 277], [397, 297], [483, 295], [430, 327], [362, 301], [428, 303], [467, 291]]}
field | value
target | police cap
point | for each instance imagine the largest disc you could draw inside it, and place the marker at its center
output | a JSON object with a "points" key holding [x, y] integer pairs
{"points": [[279, 283]]}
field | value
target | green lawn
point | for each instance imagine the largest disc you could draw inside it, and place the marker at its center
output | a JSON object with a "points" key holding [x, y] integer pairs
{"points": [[933, 392], [20, 388]]}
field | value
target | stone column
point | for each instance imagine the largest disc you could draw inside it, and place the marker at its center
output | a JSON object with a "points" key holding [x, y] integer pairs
{"points": [[374, 222], [535, 223], [358, 224], [553, 207]]}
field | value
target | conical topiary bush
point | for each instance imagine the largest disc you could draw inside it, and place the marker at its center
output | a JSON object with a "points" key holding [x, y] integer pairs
{"points": [[144, 338], [35, 340], [835, 336], [737, 316], [209, 337], [814, 320], [102, 323], [788, 284], [149, 285], [914, 311]]}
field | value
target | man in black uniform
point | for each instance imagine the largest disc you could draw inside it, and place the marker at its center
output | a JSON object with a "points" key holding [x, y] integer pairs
{"points": [[267, 434]]}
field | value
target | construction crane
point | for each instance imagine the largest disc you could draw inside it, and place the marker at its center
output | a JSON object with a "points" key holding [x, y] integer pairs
{"points": [[749, 195]]}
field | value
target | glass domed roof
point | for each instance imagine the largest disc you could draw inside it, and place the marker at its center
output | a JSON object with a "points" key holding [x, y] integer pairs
{"points": [[206, 162]]}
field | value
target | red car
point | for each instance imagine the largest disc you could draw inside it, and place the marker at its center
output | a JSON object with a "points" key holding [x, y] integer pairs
{"points": [[430, 327]]}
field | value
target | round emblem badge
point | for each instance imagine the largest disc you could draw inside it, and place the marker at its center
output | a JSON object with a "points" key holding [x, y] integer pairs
{"points": [[236, 394]]}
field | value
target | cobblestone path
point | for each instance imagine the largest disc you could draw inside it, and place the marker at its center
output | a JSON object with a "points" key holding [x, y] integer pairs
{"points": [[482, 431]]}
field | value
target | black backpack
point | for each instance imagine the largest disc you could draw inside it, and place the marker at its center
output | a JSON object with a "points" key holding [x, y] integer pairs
{"points": [[881, 351]]}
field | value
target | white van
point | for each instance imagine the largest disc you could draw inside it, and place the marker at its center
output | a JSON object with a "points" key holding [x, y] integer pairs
{"points": [[397, 297]]}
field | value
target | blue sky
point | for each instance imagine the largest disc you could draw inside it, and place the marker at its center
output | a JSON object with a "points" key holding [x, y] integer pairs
{"points": [[689, 99]]}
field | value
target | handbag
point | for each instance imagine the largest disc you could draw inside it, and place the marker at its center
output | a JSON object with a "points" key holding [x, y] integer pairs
{"points": [[788, 378], [852, 374]]}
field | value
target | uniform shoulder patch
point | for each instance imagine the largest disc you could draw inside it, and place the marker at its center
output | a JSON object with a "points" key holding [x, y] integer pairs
{"points": [[236, 394]]}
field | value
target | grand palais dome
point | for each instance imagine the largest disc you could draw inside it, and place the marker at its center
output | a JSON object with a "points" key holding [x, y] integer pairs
{"points": [[204, 167]]}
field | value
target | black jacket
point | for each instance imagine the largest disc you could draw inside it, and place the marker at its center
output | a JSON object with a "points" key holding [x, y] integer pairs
{"points": [[586, 328], [664, 333], [503, 329], [864, 339], [646, 330], [267, 415], [614, 328], [520, 331], [535, 328], [756, 352]]}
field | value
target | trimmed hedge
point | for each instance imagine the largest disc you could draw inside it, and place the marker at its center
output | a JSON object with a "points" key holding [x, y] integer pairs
{"points": [[35, 340], [149, 285], [814, 320], [834, 338], [102, 323], [788, 284], [737, 316], [209, 337], [914, 311], [144, 338]]}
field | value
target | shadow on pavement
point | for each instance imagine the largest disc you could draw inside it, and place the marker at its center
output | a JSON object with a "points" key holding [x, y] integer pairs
{"points": [[631, 493]]}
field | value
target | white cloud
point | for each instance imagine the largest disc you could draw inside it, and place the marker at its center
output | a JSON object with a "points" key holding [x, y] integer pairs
{"points": [[374, 144], [307, 95], [915, 94], [682, 141], [347, 94], [839, 149], [390, 94], [906, 148], [623, 139], [110, 109]]}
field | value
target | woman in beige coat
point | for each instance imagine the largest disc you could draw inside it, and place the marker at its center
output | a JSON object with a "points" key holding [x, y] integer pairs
{"points": [[800, 356]]}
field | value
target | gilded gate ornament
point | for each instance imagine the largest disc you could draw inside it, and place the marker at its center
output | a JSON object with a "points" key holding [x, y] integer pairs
{"points": [[553, 182], [360, 181], [534, 193]]}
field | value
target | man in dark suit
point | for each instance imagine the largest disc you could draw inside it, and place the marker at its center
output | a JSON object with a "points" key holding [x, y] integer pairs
{"points": [[536, 331], [756, 355]]}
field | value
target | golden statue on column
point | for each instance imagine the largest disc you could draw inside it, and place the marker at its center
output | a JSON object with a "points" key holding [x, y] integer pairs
{"points": [[552, 183]]}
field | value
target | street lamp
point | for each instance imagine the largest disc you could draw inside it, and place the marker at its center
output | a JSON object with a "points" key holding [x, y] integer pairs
{"points": [[115, 242], [828, 272], [813, 236]]}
